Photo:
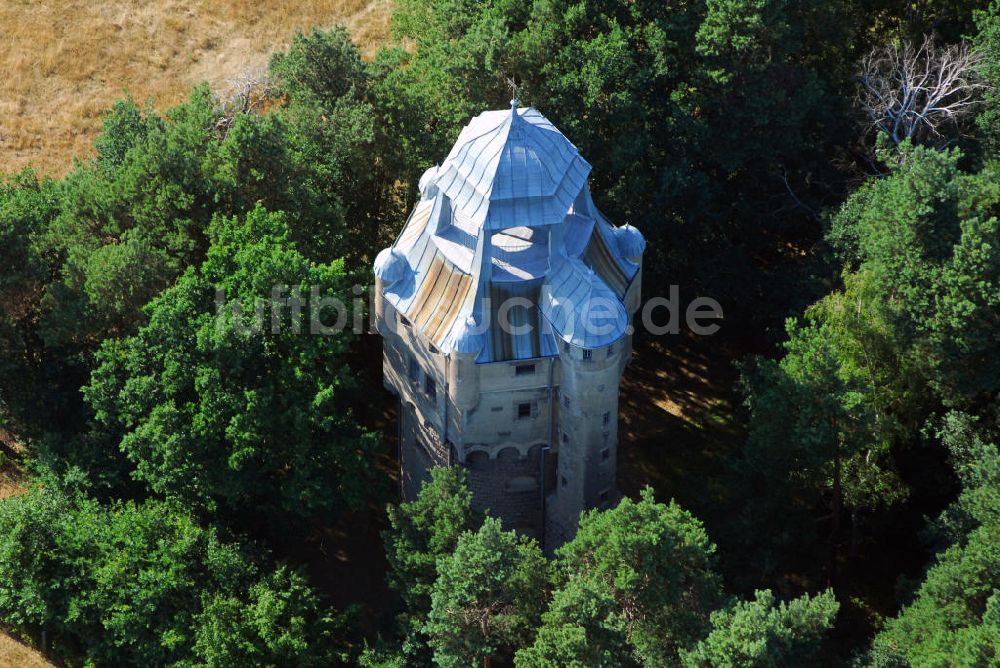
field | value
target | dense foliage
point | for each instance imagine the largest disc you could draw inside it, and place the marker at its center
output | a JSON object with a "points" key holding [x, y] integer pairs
{"points": [[184, 466], [143, 584], [218, 411]]}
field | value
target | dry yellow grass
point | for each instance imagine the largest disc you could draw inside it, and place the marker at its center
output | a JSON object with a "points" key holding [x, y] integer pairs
{"points": [[15, 654], [64, 62]]}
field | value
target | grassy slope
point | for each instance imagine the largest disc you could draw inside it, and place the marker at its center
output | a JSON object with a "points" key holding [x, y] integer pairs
{"points": [[65, 61]]}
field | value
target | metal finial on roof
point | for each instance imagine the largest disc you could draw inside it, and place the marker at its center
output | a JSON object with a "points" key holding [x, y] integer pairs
{"points": [[513, 96]]}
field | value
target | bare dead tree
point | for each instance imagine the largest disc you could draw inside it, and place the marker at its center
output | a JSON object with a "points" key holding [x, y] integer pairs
{"points": [[916, 92], [246, 93]]}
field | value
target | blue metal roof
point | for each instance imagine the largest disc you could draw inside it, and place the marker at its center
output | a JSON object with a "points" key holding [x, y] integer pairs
{"points": [[511, 168], [509, 215]]}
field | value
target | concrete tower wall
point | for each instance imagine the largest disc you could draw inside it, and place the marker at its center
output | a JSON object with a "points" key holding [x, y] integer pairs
{"points": [[587, 436]]}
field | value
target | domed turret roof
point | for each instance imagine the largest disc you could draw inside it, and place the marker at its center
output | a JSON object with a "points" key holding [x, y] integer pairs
{"points": [[631, 243], [428, 189], [389, 266]]}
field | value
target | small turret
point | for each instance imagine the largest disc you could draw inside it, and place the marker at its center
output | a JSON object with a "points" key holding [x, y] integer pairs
{"points": [[389, 267], [631, 243], [463, 381]]}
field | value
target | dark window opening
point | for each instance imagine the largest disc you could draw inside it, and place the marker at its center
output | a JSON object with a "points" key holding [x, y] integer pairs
{"points": [[604, 496], [611, 350], [565, 437], [523, 410], [524, 369], [430, 388], [605, 453], [414, 369], [588, 354], [564, 481], [607, 419]]}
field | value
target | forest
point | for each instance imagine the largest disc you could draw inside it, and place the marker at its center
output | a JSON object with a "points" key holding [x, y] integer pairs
{"points": [[829, 172]]}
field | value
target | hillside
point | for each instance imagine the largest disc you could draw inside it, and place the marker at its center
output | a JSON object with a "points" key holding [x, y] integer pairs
{"points": [[66, 61]]}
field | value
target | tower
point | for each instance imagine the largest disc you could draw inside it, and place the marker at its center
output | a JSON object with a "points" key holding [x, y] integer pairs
{"points": [[505, 307]]}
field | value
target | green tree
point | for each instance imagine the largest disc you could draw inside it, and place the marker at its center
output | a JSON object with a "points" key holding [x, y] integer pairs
{"points": [[640, 575], [823, 423], [927, 233], [130, 223], [142, 584], [27, 206], [954, 618], [336, 133], [987, 41], [763, 633], [280, 622], [582, 628], [216, 412], [421, 532], [488, 596]]}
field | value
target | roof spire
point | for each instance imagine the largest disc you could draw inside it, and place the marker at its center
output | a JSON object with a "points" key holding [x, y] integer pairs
{"points": [[513, 96]]}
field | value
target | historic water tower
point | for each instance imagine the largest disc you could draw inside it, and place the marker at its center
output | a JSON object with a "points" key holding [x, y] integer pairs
{"points": [[506, 305]]}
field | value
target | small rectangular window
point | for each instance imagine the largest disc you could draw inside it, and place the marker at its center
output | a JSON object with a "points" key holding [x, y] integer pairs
{"points": [[565, 437], [414, 369], [611, 350], [524, 410], [605, 453], [524, 369], [588, 354], [430, 388], [607, 419], [404, 321]]}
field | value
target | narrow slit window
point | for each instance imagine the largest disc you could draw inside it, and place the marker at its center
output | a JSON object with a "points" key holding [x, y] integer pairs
{"points": [[430, 388]]}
